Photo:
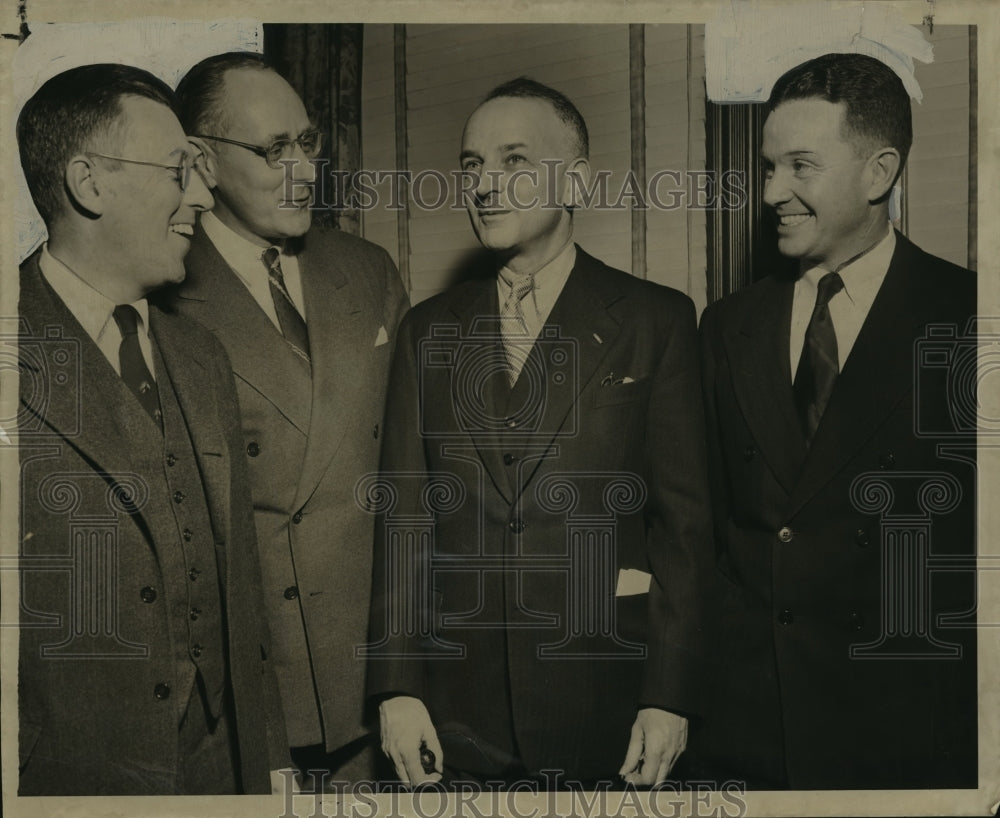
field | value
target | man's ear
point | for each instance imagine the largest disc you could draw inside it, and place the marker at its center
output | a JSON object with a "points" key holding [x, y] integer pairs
{"points": [[576, 179], [82, 186], [209, 163], [883, 166]]}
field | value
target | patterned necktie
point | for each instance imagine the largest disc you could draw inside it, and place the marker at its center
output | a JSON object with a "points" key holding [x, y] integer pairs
{"points": [[289, 319], [513, 329], [819, 365], [133, 367]]}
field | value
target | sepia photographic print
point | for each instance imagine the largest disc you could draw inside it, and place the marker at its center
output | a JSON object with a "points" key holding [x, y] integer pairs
{"points": [[570, 409]]}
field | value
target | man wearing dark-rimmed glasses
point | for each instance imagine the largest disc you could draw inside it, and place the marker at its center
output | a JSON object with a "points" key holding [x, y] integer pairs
{"points": [[142, 650], [308, 315]]}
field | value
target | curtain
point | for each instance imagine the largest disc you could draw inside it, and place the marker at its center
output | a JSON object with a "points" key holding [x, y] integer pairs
{"points": [[323, 64]]}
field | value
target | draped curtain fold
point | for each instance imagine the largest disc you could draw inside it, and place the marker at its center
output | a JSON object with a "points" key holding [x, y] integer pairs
{"points": [[323, 64]]}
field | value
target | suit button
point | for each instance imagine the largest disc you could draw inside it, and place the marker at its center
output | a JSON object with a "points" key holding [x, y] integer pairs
{"points": [[291, 592], [193, 574], [171, 460], [148, 594], [297, 517], [785, 534], [857, 621], [785, 617], [253, 449], [517, 526], [178, 496], [508, 459], [510, 423], [194, 613], [196, 651], [749, 453], [187, 535], [887, 461], [162, 691], [861, 538]]}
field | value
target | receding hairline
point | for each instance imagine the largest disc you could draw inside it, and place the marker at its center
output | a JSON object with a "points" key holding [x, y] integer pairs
{"points": [[572, 139]]}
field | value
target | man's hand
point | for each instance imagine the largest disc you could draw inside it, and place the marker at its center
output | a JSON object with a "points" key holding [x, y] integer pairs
{"points": [[658, 739], [406, 724]]}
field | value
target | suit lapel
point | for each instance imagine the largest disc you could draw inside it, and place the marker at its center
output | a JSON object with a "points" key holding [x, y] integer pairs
{"points": [[339, 341], [478, 314], [877, 375], [215, 297], [758, 356], [583, 323], [66, 382]]}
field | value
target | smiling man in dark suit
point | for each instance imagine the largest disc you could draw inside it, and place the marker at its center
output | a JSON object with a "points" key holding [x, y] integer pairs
{"points": [[142, 650], [837, 664], [308, 316], [543, 632]]}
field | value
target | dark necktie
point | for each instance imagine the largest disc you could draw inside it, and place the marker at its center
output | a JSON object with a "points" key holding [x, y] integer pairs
{"points": [[289, 319], [818, 366], [133, 367]]}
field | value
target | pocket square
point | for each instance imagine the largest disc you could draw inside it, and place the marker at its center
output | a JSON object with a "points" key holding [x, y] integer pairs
{"points": [[632, 582], [382, 337]]}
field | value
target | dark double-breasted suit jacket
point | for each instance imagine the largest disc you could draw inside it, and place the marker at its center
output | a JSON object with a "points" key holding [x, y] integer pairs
{"points": [[844, 610], [307, 440], [102, 682], [507, 516]]}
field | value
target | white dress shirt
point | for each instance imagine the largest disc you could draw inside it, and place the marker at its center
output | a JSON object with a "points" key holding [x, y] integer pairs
{"points": [[246, 260], [849, 308], [95, 311], [548, 284]]}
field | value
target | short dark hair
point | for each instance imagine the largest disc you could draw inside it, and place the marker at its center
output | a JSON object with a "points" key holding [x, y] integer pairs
{"points": [[878, 105], [201, 92], [525, 88], [67, 114]]}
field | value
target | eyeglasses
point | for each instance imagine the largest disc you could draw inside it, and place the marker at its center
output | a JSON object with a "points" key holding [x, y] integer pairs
{"points": [[182, 172], [311, 142]]}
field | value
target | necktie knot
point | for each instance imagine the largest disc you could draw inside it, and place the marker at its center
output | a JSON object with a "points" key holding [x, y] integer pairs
{"points": [[127, 318], [829, 286], [520, 287], [271, 260]]}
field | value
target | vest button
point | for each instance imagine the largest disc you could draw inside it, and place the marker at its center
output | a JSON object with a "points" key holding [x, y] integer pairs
{"points": [[291, 592], [196, 651], [178, 496], [785, 617], [375, 432], [148, 594], [508, 459], [253, 449], [511, 423], [297, 517], [857, 621], [785, 534], [187, 535], [171, 460], [194, 613], [517, 526], [162, 691], [193, 574], [861, 537]]}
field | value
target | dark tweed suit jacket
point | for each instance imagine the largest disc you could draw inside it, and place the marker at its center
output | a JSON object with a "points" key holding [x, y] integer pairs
{"points": [[537, 497], [98, 722], [845, 603]]}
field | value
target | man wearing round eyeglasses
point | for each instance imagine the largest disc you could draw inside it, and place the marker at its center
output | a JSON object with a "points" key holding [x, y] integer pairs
{"points": [[143, 655], [308, 315]]}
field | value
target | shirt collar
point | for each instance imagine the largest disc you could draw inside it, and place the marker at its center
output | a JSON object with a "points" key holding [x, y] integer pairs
{"points": [[241, 254], [863, 275], [558, 269], [91, 308]]}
